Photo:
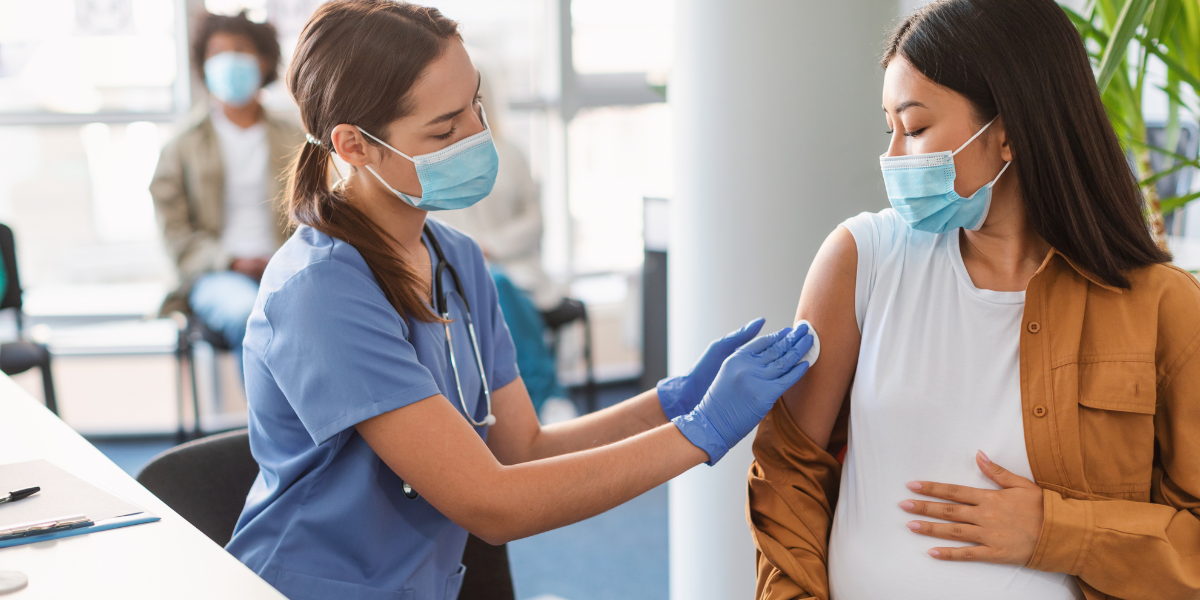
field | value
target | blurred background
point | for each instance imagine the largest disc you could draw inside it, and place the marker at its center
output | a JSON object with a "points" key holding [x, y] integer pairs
{"points": [[91, 90], [770, 136]]}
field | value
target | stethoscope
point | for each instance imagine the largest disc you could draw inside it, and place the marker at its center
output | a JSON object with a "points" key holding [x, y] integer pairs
{"points": [[441, 300]]}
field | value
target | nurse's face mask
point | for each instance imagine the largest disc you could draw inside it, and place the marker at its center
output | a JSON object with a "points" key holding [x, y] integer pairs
{"points": [[921, 189], [454, 177]]}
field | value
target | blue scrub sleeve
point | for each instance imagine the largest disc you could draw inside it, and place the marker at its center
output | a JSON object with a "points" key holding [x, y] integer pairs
{"points": [[338, 350]]}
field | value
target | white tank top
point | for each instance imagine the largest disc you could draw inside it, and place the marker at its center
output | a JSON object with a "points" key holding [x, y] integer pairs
{"points": [[938, 378]]}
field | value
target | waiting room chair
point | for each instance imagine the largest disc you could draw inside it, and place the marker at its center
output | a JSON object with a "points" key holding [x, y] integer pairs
{"points": [[193, 332], [567, 312], [206, 481], [23, 354]]}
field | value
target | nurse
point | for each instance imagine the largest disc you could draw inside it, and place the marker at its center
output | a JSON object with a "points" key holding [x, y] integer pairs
{"points": [[386, 411]]}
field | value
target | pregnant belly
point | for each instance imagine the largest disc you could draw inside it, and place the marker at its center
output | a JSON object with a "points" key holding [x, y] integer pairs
{"points": [[873, 555]]}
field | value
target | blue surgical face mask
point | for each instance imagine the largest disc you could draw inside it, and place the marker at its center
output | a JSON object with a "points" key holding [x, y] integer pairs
{"points": [[233, 77], [454, 177], [921, 189]]}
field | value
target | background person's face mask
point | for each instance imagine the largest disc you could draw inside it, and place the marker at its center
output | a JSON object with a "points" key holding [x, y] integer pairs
{"points": [[233, 77], [921, 189], [454, 177]]}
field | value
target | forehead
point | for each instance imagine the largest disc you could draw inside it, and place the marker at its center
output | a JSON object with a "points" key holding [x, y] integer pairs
{"points": [[902, 82], [223, 41], [447, 84]]}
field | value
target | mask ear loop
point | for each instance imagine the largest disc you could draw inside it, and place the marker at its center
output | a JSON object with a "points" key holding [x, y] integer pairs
{"points": [[398, 193], [966, 143]]}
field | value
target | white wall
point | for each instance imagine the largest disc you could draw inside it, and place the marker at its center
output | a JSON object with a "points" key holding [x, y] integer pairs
{"points": [[778, 129]]}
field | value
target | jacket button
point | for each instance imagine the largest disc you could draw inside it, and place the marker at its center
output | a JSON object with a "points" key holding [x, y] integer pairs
{"points": [[1034, 327], [1039, 411]]}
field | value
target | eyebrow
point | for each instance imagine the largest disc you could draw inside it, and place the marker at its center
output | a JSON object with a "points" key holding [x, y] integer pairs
{"points": [[907, 105], [454, 113]]}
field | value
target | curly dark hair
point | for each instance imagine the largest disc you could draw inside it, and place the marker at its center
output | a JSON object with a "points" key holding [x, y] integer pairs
{"points": [[266, 42]]}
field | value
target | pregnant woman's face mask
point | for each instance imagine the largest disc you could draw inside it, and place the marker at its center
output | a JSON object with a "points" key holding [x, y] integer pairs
{"points": [[921, 189]]}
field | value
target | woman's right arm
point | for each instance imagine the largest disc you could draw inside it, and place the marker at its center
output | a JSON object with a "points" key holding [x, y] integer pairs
{"points": [[794, 480], [433, 448]]}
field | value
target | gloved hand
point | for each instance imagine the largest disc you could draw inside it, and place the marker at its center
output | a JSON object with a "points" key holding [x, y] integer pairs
{"points": [[679, 395], [745, 389]]}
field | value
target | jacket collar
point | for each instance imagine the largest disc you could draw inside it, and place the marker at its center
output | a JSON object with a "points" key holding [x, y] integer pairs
{"points": [[1090, 276]]}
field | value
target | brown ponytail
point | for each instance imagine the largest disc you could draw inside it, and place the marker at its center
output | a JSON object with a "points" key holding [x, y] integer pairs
{"points": [[355, 63]]}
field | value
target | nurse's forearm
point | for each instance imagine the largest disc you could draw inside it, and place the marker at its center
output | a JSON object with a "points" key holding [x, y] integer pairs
{"points": [[538, 496], [433, 448], [615, 423]]}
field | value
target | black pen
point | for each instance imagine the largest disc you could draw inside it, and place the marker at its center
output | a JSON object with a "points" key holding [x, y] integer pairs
{"points": [[15, 495]]}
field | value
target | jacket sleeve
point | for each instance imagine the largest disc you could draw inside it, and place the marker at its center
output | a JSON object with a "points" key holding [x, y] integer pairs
{"points": [[793, 486], [194, 250], [1142, 550]]}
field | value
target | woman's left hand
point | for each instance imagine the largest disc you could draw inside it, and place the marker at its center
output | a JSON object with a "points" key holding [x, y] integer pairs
{"points": [[1005, 524]]}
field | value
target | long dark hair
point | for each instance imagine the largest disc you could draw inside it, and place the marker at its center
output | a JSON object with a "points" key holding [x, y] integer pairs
{"points": [[1024, 60], [355, 63]]}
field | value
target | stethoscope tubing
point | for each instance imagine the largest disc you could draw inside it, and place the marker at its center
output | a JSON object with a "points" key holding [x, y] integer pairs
{"points": [[443, 307]]}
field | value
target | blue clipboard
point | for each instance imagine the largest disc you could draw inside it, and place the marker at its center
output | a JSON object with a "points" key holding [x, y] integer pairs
{"points": [[62, 494]]}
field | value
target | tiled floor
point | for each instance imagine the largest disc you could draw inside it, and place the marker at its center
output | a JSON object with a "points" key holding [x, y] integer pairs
{"points": [[621, 554]]}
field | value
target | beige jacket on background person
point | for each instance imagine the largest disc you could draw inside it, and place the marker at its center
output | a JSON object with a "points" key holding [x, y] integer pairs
{"points": [[1110, 396], [188, 188]]}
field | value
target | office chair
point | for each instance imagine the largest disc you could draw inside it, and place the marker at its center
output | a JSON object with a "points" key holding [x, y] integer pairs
{"points": [[569, 311], [23, 354], [206, 481]]}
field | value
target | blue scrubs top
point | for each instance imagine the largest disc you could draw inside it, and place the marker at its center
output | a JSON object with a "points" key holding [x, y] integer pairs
{"points": [[324, 350]]}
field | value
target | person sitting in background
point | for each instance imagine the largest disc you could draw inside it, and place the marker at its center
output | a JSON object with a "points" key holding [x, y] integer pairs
{"points": [[507, 225], [216, 182]]}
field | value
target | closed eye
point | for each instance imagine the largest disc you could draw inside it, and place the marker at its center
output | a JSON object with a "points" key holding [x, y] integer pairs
{"points": [[915, 133], [445, 136]]}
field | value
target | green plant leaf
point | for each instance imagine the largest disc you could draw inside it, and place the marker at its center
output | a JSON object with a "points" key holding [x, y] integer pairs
{"points": [[1177, 202], [1131, 17]]}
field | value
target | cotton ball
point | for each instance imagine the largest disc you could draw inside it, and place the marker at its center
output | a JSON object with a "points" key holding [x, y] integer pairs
{"points": [[815, 351]]}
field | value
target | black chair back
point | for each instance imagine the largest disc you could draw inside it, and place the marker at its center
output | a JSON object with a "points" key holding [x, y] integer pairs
{"points": [[206, 481]]}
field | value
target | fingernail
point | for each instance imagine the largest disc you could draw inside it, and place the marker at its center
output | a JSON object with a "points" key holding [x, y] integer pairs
{"points": [[913, 525], [986, 460], [935, 553], [906, 505], [914, 485]]}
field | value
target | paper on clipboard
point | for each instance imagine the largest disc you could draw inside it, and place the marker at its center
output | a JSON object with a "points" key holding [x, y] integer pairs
{"points": [[62, 494]]}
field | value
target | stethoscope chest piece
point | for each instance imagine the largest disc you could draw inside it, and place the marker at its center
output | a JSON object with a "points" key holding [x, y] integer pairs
{"points": [[409, 492]]}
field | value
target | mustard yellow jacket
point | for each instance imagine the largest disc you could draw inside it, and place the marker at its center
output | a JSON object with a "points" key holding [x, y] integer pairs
{"points": [[1110, 393]]}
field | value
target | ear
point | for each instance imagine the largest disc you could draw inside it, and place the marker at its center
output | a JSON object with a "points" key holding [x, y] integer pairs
{"points": [[351, 146], [1005, 148]]}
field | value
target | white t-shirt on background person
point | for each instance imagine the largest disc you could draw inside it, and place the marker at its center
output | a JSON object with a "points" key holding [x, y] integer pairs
{"points": [[248, 231]]}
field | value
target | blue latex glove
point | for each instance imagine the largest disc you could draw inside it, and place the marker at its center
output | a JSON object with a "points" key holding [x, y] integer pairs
{"points": [[745, 389], [679, 395]]}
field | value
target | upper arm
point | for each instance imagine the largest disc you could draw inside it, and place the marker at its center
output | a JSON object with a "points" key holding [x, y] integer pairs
{"points": [[827, 301], [431, 447]]}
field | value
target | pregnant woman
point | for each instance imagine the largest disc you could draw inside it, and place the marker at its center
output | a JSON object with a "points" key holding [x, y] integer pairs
{"points": [[1015, 360]]}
